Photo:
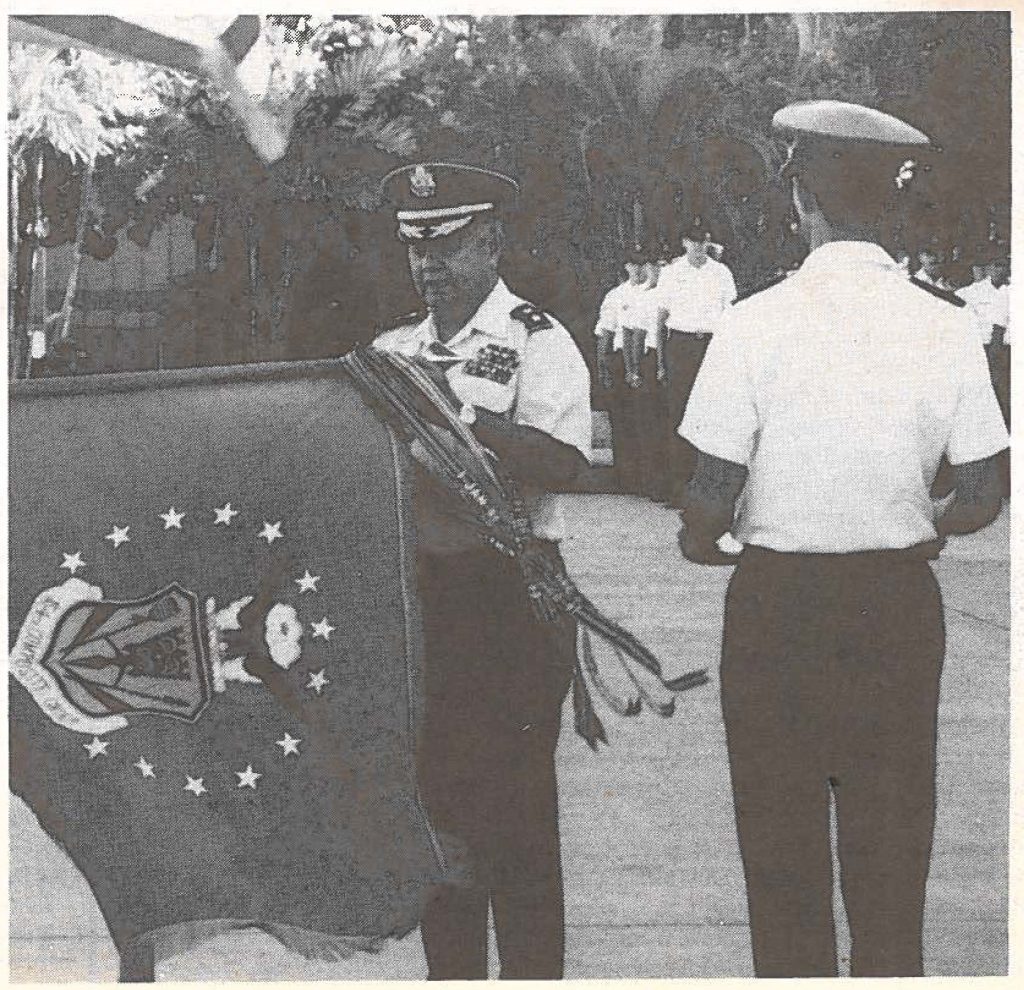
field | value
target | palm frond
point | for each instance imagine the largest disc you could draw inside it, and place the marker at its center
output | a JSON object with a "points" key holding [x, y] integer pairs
{"points": [[395, 137]]}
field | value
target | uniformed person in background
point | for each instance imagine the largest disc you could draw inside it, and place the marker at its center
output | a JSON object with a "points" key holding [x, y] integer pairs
{"points": [[988, 301], [930, 266], [989, 304], [694, 290], [626, 333], [828, 401], [495, 677]]}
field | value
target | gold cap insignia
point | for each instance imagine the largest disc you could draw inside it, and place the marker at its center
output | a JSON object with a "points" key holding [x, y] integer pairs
{"points": [[421, 182]]}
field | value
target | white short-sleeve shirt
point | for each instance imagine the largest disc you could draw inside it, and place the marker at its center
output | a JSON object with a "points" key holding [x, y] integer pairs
{"points": [[527, 369], [633, 306], [840, 389], [989, 306], [695, 298]]}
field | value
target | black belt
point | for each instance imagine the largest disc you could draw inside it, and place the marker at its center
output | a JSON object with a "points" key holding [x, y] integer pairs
{"points": [[918, 552]]}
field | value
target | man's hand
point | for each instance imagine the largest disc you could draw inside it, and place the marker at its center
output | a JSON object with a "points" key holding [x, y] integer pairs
{"points": [[976, 501], [710, 503], [531, 456], [699, 548]]}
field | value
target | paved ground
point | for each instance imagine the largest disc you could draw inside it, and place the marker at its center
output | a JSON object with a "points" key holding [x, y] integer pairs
{"points": [[654, 887]]}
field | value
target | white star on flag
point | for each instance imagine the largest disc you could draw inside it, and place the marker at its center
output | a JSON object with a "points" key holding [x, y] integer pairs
{"points": [[318, 681], [118, 535], [225, 514], [307, 582], [73, 561], [144, 767], [270, 532], [98, 747], [247, 777], [172, 519], [195, 786], [289, 745], [323, 629]]}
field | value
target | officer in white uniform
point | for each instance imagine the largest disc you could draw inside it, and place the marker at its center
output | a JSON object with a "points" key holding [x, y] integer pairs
{"points": [[988, 301], [495, 677], [695, 289], [626, 332], [929, 266], [989, 304], [828, 400]]}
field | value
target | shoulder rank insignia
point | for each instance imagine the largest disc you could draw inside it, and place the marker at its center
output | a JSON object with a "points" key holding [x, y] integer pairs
{"points": [[951, 297], [760, 287], [531, 317]]}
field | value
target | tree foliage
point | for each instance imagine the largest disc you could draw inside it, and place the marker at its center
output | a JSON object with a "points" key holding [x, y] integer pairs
{"points": [[618, 127]]}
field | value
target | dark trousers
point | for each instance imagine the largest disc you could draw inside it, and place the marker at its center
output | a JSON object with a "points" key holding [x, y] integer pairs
{"points": [[830, 684], [684, 354], [637, 432], [495, 680]]}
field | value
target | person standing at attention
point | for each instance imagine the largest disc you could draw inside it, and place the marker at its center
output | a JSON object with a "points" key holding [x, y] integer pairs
{"points": [[820, 415], [695, 289], [495, 675]]}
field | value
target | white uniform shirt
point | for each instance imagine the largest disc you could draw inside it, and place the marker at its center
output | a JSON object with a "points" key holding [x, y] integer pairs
{"points": [[988, 306], [840, 389], [694, 298], [633, 306], [548, 387]]}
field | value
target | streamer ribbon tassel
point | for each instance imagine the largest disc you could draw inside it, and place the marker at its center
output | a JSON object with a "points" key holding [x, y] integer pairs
{"points": [[401, 392]]}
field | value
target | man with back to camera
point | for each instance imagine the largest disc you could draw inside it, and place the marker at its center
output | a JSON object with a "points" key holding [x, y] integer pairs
{"points": [[827, 401], [494, 675]]}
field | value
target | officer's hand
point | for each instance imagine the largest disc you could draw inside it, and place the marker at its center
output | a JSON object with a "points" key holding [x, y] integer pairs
{"points": [[634, 381], [700, 549]]}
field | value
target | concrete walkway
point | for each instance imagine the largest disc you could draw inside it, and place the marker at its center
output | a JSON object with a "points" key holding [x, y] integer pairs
{"points": [[653, 880]]}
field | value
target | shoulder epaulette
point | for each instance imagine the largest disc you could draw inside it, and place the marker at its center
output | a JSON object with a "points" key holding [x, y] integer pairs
{"points": [[417, 316], [760, 287], [531, 317], [951, 297]]}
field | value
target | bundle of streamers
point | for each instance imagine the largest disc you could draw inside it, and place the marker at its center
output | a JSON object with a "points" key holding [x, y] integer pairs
{"points": [[628, 676]]}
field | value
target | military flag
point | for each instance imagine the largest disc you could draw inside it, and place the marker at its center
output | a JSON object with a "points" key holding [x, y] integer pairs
{"points": [[215, 650]]}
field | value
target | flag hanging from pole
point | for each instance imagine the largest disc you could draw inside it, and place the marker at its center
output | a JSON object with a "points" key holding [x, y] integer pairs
{"points": [[210, 45]]}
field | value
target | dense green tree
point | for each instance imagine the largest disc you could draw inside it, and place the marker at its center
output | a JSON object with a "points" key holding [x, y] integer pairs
{"points": [[618, 128]]}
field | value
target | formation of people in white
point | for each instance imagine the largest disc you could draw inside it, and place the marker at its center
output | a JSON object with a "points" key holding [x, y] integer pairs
{"points": [[988, 300], [653, 329], [688, 294], [685, 295]]}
